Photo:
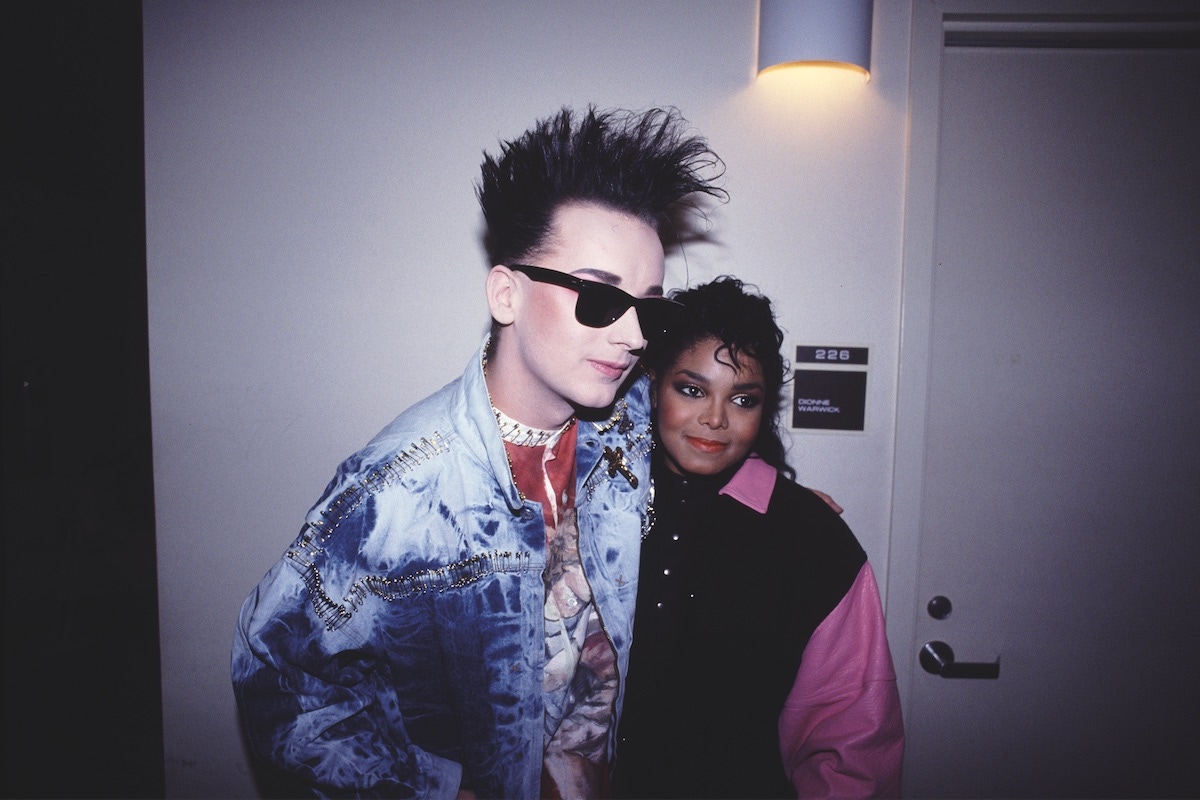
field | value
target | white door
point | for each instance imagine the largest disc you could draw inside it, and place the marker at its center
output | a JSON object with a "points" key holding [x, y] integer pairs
{"points": [[1048, 470]]}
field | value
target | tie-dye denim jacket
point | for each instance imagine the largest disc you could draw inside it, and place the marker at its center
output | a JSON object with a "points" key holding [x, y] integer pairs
{"points": [[397, 647]]}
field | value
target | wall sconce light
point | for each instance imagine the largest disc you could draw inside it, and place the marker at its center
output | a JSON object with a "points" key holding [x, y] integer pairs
{"points": [[830, 33]]}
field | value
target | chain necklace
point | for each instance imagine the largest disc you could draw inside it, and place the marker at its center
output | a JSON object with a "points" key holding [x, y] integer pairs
{"points": [[515, 432]]}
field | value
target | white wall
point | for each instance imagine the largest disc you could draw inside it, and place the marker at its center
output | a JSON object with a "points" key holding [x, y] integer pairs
{"points": [[315, 264]]}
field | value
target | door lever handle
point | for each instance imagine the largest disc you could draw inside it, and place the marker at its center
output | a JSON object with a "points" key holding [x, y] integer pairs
{"points": [[938, 659]]}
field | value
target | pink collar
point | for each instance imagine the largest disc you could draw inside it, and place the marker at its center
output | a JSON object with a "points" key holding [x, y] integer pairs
{"points": [[752, 484]]}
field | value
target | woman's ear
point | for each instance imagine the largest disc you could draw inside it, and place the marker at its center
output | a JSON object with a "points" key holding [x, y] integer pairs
{"points": [[501, 290]]}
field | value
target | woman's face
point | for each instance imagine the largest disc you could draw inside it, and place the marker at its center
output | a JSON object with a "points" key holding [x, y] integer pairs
{"points": [[707, 413]]}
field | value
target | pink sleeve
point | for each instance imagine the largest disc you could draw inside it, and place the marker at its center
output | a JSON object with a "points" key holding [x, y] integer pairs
{"points": [[840, 732]]}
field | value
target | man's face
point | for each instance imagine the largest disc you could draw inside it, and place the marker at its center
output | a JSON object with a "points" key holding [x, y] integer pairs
{"points": [[553, 362]]}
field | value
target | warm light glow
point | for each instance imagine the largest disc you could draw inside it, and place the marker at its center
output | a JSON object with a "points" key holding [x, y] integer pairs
{"points": [[826, 82], [840, 66]]}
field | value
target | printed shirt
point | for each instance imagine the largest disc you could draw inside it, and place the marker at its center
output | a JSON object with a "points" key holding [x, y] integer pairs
{"points": [[580, 678]]}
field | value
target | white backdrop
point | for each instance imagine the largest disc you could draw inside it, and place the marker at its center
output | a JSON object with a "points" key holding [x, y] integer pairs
{"points": [[315, 263]]}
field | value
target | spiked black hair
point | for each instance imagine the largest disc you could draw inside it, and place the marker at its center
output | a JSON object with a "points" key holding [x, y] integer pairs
{"points": [[744, 322], [640, 163]]}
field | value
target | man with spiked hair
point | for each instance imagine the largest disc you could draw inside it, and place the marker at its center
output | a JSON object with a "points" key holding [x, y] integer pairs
{"points": [[454, 618]]}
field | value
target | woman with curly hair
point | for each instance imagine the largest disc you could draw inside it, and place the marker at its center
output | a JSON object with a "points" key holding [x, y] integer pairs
{"points": [[760, 665]]}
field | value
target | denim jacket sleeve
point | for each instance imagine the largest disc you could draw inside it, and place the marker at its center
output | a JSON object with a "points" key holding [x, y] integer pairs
{"points": [[314, 704], [313, 669]]}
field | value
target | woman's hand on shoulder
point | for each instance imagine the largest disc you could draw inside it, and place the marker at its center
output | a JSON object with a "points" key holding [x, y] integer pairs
{"points": [[829, 501]]}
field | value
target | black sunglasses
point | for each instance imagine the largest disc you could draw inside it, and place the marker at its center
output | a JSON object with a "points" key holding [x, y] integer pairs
{"points": [[600, 304]]}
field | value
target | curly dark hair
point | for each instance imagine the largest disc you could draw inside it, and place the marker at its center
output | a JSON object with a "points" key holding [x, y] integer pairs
{"points": [[640, 163], [744, 322]]}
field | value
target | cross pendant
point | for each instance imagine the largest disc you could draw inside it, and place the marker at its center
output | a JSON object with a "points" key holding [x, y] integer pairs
{"points": [[616, 463]]}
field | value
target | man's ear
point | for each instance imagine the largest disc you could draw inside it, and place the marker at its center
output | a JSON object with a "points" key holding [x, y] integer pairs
{"points": [[501, 290]]}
